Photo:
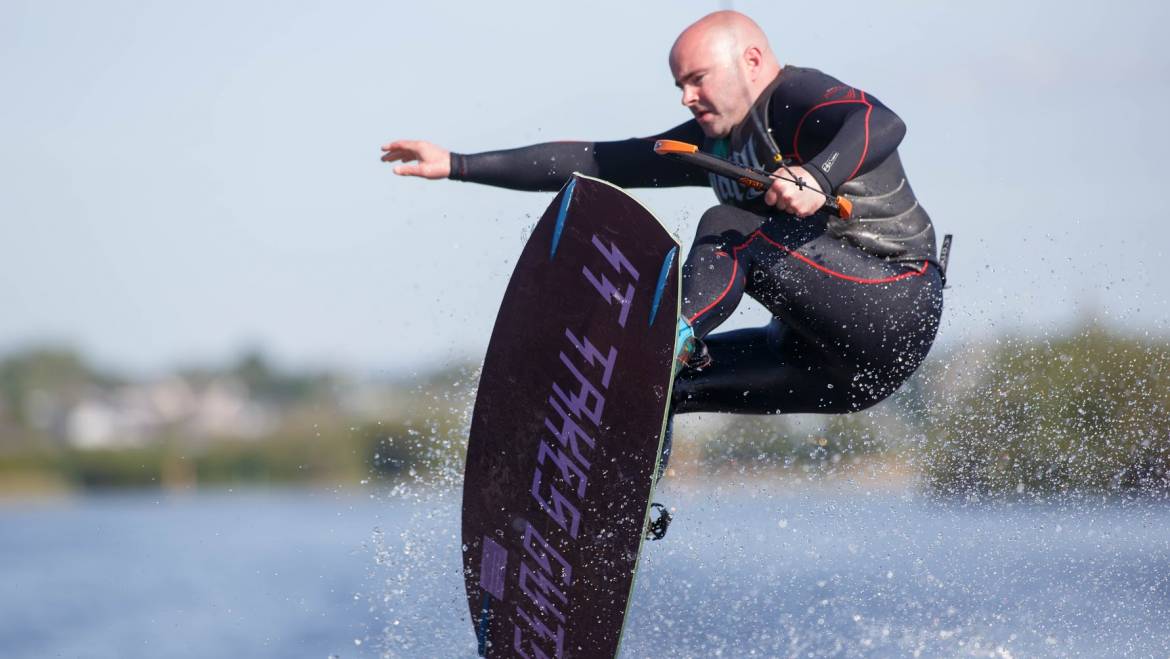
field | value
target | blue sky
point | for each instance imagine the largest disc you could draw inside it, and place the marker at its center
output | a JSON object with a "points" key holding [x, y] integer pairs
{"points": [[182, 181]]}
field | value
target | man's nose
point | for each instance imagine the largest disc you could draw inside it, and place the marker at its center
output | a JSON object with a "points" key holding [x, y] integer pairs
{"points": [[690, 95]]}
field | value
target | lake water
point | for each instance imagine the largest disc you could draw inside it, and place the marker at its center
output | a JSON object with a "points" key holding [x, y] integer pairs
{"points": [[747, 570]]}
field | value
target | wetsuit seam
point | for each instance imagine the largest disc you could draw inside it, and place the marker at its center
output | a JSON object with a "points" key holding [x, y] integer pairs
{"points": [[758, 233], [458, 166], [726, 290], [800, 125], [813, 264]]}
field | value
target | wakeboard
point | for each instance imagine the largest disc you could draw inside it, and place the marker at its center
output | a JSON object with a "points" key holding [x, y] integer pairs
{"points": [[567, 428]]}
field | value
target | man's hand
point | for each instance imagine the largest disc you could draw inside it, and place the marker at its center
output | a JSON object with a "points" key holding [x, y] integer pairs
{"points": [[790, 198], [418, 159]]}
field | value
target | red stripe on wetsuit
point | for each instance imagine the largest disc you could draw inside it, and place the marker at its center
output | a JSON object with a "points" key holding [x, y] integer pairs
{"points": [[865, 145], [917, 272]]}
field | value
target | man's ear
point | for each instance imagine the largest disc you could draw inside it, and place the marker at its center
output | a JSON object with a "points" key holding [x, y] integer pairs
{"points": [[754, 59]]}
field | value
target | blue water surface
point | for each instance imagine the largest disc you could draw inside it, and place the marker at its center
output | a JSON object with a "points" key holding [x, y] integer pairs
{"points": [[246, 574], [748, 569]]}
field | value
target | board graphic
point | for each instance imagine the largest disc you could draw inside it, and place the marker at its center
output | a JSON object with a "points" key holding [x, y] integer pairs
{"points": [[567, 427]]}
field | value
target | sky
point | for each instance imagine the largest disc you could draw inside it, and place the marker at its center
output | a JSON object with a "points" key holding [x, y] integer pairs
{"points": [[184, 181]]}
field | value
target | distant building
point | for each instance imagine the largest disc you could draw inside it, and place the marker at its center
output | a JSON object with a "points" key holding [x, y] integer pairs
{"points": [[138, 414]]}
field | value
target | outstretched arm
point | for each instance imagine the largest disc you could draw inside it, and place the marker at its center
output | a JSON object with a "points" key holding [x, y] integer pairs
{"points": [[544, 167]]}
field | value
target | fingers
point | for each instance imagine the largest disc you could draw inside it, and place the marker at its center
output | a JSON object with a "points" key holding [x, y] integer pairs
{"points": [[418, 158], [399, 154], [398, 150], [782, 195], [405, 145], [401, 150], [423, 169], [791, 199], [404, 150]]}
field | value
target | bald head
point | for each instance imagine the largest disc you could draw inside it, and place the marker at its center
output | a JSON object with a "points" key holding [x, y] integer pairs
{"points": [[726, 33], [722, 63]]}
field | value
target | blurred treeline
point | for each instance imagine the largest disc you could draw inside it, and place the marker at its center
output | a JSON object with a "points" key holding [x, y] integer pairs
{"points": [[65, 425], [1088, 410], [1084, 410]]}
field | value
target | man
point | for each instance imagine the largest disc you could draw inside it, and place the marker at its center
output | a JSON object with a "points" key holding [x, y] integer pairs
{"points": [[856, 302]]}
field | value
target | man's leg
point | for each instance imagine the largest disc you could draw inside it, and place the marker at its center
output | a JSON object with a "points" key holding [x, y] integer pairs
{"points": [[764, 370], [743, 370], [855, 326], [713, 279], [761, 370]]}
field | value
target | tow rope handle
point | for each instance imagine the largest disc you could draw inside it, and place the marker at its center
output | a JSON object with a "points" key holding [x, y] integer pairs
{"points": [[748, 176]]}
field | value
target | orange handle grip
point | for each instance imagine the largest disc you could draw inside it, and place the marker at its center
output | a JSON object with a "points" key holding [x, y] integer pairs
{"points": [[747, 176], [664, 147]]}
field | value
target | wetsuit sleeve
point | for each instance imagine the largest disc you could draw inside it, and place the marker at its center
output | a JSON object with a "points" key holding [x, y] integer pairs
{"points": [[628, 163], [842, 132]]}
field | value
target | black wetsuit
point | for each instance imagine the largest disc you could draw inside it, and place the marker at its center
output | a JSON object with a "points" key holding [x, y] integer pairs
{"points": [[856, 303]]}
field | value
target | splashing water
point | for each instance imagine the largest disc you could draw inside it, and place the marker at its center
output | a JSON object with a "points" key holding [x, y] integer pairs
{"points": [[1009, 501]]}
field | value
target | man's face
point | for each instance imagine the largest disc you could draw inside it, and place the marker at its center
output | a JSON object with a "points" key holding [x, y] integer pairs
{"points": [[712, 85]]}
